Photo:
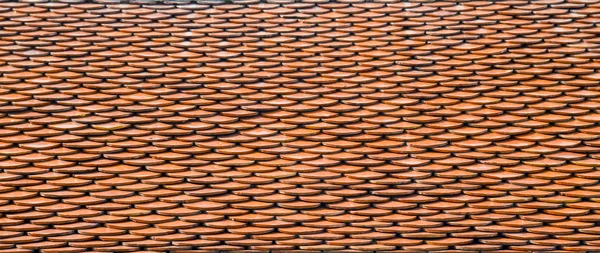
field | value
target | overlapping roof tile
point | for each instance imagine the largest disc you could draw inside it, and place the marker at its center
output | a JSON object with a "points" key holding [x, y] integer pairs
{"points": [[401, 126]]}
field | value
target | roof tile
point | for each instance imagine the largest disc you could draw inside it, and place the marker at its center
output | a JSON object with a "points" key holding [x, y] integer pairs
{"points": [[315, 126]]}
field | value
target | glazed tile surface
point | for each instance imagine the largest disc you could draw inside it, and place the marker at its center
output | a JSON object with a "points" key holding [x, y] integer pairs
{"points": [[310, 126]]}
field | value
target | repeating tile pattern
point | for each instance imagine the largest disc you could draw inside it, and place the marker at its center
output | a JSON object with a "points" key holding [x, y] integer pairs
{"points": [[300, 125]]}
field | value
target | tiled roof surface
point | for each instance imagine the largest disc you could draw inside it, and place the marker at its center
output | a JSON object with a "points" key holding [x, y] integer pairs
{"points": [[401, 126]]}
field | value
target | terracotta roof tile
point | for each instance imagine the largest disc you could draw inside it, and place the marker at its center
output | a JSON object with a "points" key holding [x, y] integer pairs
{"points": [[309, 126]]}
